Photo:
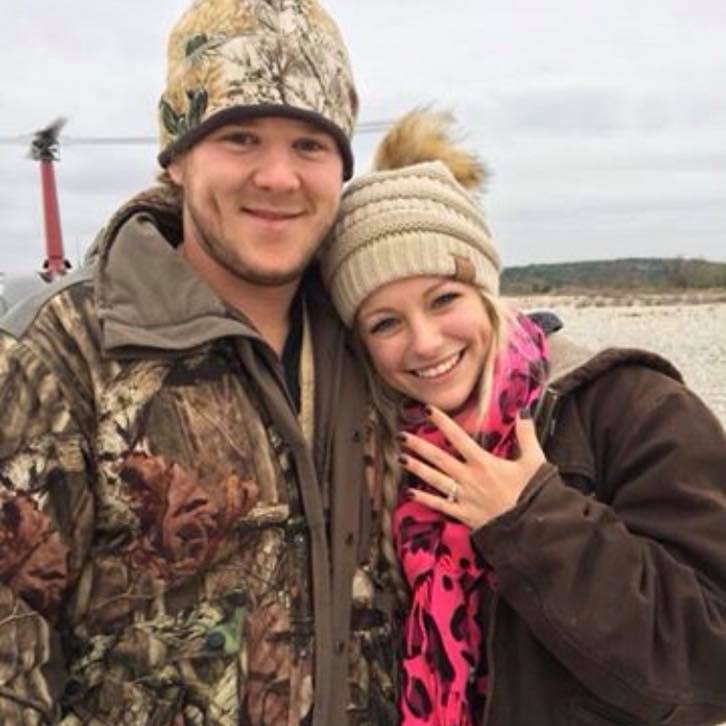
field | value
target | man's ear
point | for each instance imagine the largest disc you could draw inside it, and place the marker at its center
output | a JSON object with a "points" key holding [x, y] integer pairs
{"points": [[175, 170]]}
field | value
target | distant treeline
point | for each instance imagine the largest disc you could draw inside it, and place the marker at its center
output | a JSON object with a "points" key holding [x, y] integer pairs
{"points": [[647, 275]]}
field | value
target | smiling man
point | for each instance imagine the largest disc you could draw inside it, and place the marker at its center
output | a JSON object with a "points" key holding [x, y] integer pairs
{"points": [[183, 511], [259, 195]]}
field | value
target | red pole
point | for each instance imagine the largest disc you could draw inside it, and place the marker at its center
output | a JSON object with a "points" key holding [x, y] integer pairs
{"points": [[53, 239]]}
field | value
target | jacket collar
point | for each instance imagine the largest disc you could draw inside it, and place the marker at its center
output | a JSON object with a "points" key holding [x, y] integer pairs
{"points": [[147, 296], [574, 365], [149, 299]]}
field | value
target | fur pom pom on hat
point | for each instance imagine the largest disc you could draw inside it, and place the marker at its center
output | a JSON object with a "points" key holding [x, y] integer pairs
{"points": [[239, 59], [415, 214]]}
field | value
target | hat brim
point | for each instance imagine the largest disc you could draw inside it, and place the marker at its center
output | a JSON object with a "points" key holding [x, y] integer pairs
{"points": [[242, 113]]}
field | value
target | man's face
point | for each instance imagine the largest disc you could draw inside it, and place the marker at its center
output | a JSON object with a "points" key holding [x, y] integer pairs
{"points": [[259, 196]]}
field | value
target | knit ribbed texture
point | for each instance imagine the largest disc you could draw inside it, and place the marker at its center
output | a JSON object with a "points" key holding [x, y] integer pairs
{"points": [[235, 59], [403, 223]]}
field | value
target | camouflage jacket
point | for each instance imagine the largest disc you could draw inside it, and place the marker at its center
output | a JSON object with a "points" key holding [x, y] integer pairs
{"points": [[172, 550]]}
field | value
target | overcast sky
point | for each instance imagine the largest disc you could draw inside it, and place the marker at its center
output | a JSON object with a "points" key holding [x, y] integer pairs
{"points": [[604, 123]]}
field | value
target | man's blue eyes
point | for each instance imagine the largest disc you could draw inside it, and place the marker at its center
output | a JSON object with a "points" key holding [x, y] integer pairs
{"points": [[309, 145], [304, 145], [242, 139]]}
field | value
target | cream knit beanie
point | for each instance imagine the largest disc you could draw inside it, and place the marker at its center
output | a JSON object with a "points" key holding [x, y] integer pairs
{"points": [[412, 216]]}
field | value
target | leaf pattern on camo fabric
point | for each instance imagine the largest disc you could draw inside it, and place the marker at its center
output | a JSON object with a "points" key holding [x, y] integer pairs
{"points": [[181, 522], [33, 557], [189, 476]]}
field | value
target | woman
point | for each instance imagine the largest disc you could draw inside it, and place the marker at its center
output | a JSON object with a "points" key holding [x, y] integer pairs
{"points": [[578, 577]]}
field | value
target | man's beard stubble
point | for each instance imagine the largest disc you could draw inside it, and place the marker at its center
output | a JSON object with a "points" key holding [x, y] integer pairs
{"points": [[225, 256]]}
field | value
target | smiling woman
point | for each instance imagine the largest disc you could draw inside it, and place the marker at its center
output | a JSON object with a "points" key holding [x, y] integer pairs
{"points": [[542, 564], [428, 338]]}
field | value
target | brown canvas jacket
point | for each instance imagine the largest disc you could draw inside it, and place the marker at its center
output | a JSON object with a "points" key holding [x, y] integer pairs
{"points": [[611, 598], [172, 551]]}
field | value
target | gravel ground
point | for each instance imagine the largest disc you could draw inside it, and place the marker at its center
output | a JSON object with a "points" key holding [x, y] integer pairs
{"points": [[691, 336]]}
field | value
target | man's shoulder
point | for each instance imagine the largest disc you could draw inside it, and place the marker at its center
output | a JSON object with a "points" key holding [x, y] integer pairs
{"points": [[63, 296]]}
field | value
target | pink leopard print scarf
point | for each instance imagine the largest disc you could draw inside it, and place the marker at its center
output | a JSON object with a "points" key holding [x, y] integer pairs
{"points": [[444, 668]]}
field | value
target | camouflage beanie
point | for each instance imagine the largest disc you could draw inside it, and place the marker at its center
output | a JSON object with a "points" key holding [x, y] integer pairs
{"points": [[239, 59]]}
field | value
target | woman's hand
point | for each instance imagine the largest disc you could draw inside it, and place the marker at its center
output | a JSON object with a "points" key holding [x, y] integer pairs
{"points": [[482, 486]]}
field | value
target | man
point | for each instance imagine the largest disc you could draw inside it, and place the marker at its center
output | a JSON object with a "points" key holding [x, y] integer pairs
{"points": [[181, 423]]}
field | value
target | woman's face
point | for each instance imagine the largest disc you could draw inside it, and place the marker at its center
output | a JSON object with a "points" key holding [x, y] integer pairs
{"points": [[428, 337]]}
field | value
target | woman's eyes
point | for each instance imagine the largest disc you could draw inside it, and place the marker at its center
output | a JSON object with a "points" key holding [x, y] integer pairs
{"points": [[386, 325], [444, 299], [383, 325]]}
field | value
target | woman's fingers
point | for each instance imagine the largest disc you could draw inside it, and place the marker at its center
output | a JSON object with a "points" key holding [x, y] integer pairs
{"points": [[438, 504], [455, 434], [433, 454], [481, 487], [445, 483]]}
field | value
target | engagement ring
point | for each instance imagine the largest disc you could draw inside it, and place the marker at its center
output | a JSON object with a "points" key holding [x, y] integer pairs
{"points": [[452, 496]]}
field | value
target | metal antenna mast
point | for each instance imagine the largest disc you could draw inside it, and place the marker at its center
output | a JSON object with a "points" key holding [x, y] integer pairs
{"points": [[45, 149]]}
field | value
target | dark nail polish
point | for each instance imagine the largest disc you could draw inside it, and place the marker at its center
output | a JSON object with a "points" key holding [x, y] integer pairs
{"points": [[429, 411], [403, 460], [525, 414], [401, 438]]}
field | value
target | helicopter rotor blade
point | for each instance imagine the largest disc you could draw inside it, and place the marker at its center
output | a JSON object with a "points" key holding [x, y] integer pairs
{"points": [[45, 142], [53, 129]]}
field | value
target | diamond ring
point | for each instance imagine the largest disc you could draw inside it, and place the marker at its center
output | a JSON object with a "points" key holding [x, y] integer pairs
{"points": [[452, 496]]}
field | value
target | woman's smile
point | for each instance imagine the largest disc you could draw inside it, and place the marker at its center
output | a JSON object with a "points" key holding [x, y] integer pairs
{"points": [[439, 370]]}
